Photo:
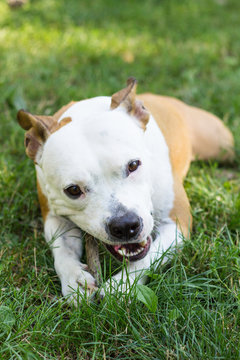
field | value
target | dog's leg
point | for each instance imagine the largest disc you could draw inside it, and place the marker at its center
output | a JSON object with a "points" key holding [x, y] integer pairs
{"points": [[168, 236], [66, 244]]}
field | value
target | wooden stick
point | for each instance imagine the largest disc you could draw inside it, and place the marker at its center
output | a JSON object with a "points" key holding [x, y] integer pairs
{"points": [[92, 254]]}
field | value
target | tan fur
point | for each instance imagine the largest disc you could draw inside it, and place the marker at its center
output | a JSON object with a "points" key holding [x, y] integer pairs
{"points": [[60, 112], [209, 137], [62, 123], [43, 202], [180, 212]]}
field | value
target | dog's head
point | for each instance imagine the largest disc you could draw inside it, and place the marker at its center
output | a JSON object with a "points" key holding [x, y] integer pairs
{"points": [[93, 167]]}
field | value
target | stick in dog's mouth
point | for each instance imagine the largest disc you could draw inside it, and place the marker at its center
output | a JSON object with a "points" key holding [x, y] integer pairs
{"points": [[131, 252]]}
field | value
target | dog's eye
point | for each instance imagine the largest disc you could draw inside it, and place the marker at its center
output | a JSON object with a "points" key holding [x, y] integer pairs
{"points": [[133, 165], [73, 191]]}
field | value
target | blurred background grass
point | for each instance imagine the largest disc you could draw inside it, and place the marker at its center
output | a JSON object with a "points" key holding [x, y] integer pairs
{"points": [[52, 52]]}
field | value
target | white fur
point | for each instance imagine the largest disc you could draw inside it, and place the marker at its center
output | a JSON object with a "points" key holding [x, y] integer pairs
{"points": [[66, 244], [93, 151]]}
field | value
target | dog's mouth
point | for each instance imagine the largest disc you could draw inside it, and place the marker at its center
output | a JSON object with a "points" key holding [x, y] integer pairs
{"points": [[131, 252]]}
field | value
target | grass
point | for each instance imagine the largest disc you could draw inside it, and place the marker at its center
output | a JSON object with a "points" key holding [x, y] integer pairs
{"points": [[55, 51]]}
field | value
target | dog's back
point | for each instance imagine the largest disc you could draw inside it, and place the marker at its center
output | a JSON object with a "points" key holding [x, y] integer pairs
{"points": [[191, 133]]}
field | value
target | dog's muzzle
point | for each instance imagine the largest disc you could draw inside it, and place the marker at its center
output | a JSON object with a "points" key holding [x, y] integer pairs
{"points": [[123, 230]]}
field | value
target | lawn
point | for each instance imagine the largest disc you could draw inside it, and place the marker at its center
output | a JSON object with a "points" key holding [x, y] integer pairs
{"points": [[52, 52]]}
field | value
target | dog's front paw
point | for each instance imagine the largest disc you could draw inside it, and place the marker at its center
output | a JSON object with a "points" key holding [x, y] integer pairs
{"points": [[118, 283], [124, 282], [77, 284]]}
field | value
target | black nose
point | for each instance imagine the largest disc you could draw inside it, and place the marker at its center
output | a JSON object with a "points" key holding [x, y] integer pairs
{"points": [[125, 227]]}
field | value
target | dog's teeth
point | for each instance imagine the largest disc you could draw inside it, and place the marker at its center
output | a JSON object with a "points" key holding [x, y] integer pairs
{"points": [[143, 243], [125, 251], [122, 251], [138, 251]]}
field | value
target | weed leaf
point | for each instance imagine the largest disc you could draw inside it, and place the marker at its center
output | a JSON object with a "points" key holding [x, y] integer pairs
{"points": [[7, 318], [147, 296]]}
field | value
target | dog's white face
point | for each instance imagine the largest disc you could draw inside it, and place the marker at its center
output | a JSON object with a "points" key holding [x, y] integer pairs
{"points": [[96, 172]]}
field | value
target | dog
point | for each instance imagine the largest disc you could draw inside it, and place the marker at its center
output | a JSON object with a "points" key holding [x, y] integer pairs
{"points": [[113, 167]]}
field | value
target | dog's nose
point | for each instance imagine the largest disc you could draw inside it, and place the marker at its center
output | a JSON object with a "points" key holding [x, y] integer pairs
{"points": [[125, 227]]}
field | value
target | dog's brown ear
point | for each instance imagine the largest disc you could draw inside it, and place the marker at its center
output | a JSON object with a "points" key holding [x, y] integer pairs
{"points": [[39, 129], [127, 98]]}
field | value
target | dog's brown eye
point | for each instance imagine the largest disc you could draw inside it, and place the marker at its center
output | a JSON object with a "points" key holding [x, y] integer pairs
{"points": [[133, 165], [73, 191]]}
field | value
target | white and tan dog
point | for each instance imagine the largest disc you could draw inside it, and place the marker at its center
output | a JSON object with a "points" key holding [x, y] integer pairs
{"points": [[114, 168]]}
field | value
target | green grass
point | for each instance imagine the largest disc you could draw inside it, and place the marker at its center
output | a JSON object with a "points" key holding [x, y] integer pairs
{"points": [[54, 51]]}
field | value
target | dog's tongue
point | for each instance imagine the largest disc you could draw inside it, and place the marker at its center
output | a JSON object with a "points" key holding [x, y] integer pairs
{"points": [[117, 247]]}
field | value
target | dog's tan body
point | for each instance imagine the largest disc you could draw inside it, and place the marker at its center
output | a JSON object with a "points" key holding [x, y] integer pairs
{"points": [[190, 133]]}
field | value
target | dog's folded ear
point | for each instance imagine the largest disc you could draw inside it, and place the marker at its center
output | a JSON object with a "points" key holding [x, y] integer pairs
{"points": [[39, 129], [127, 98]]}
